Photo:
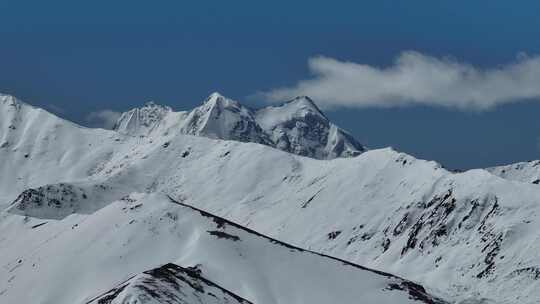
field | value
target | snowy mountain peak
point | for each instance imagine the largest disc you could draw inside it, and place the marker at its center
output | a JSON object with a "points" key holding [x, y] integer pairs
{"points": [[5, 99], [300, 127], [214, 96], [152, 106], [224, 118], [303, 105], [17, 118], [297, 126], [143, 120], [218, 102], [10, 101]]}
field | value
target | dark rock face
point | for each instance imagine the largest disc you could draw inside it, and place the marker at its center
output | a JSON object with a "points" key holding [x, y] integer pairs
{"points": [[50, 196], [56, 201], [224, 235]]}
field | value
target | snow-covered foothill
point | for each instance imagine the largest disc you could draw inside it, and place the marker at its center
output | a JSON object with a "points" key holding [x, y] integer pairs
{"points": [[121, 248]]}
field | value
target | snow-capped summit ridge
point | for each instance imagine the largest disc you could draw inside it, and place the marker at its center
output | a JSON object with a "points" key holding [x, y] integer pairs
{"points": [[11, 101], [152, 105], [300, 127], [218, 102], [297, 126], [223, 118], [214, 96], [6, 98], [143, 120], [303, 104]]}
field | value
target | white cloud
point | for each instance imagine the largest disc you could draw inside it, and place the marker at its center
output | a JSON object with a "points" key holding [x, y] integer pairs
{"points": [[104, 118], [416, 79]]}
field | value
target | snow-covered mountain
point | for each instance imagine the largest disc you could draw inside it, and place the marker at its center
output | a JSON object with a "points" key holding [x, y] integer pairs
{"points": [[122, 253], [470, 236], [150, 118], [297, 126], [38, 148]]}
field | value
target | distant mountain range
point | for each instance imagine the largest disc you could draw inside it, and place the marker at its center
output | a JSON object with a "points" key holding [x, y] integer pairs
{"points": [[297, 126]]}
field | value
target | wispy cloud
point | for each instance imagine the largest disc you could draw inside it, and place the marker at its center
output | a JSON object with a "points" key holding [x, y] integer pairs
{"points": [[103, 119], [416, 79]]}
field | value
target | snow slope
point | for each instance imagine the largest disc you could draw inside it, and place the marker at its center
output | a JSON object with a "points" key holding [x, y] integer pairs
{"points": [[472, 236], [38, 148], [528, 172], [123, 245]]}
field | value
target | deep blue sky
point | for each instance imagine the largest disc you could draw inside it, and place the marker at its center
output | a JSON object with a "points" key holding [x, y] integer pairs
{"points": [[76, 57]]}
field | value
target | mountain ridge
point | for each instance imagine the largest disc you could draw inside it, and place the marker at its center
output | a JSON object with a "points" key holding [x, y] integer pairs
{"points": [[305, 130], [121, 241], [469, 235]]}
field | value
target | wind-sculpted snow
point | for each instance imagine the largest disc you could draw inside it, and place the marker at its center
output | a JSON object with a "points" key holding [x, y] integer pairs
{"points": [[472, 236], [115, 255]]}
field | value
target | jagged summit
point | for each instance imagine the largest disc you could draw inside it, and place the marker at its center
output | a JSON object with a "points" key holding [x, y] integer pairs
{"points": [[143, 120], [5, 99], [152, 105], [216, 96], [223, 118], [10, 101], [216, 101], [302, 103], [297, 126]]}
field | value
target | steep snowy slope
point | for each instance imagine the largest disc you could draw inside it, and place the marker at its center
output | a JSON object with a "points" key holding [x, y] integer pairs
{"points": [[224, 118], [37, 148], [471, 235], [297, 126], [149, 119], [528, 172], [85, 257]]}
